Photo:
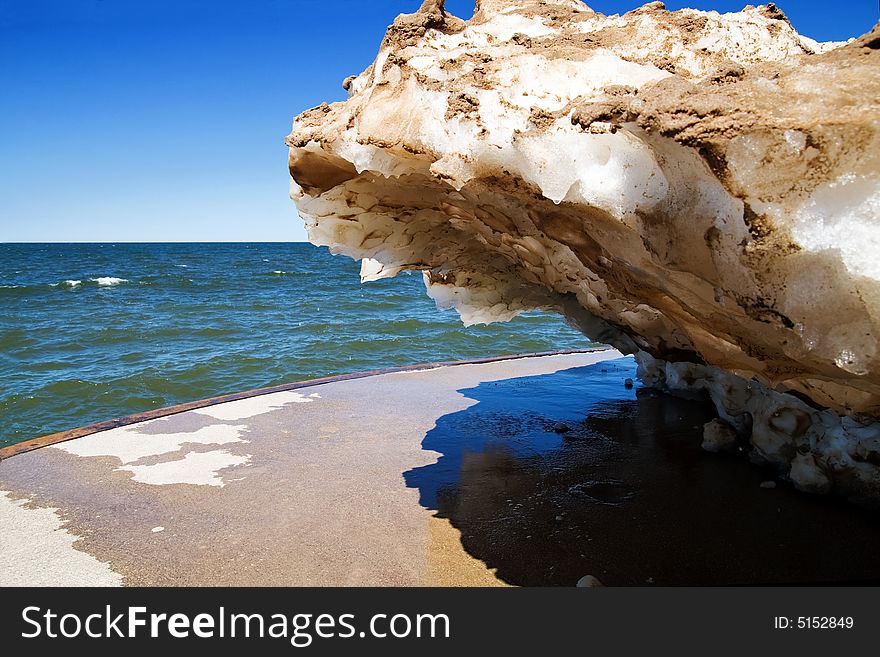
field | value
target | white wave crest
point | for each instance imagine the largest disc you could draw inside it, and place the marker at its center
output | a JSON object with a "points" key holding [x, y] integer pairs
{"points": [[108, 280]]}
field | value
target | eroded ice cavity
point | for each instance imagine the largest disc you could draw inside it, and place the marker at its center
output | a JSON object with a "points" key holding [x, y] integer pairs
{"points": [[700, 189]]}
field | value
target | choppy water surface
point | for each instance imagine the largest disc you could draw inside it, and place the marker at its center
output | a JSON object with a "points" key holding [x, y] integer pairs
{"points": [[94, 331]]}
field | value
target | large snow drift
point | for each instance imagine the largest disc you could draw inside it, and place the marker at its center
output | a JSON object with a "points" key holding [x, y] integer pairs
{"points": [[700, 189]]}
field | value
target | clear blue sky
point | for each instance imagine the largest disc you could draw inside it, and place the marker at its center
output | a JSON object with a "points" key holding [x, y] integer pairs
{"points": [[158, 120]]}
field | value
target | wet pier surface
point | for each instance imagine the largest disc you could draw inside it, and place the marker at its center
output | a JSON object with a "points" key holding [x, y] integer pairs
{"points": [[534, 471]]}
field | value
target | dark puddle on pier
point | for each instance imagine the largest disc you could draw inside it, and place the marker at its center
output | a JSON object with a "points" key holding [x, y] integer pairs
{"points": [[625, 493]]}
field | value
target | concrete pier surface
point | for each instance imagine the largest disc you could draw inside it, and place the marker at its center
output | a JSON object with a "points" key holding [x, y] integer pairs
{"points": [[300, 486]]}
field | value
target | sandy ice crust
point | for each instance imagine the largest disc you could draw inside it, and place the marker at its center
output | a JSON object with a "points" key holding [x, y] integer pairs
{"points": [[690, 186]]}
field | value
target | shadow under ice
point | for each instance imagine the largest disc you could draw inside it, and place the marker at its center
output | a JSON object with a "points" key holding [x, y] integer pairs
{"points": [[553, 477]]}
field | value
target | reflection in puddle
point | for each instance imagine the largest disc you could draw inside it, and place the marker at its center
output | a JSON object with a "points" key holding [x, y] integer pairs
{"points": [[554, 477]]}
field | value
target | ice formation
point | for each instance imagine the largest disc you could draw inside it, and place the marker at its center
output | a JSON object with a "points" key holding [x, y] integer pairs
{"points": [[700, 189]]}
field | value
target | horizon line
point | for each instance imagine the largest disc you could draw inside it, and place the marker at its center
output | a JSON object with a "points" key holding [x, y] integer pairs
{"points": [[162, 242]]}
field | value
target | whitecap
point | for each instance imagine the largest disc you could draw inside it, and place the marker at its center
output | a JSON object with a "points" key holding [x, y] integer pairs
{"points": [[108, 280], [69, 283], [184, 266]]}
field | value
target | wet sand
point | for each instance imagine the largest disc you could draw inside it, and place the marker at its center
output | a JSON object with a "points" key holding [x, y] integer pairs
{"points": [[527, 472]]}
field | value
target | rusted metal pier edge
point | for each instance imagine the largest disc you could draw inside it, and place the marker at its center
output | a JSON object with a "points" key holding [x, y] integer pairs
{"points": [[79, 432]]}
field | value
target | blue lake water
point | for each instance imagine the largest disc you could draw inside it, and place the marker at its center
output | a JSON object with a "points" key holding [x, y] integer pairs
{"points": [[94, 331]]}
